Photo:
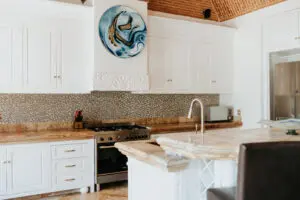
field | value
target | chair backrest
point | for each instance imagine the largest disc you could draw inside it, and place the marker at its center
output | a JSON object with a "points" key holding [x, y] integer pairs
{"points": [[269, 171]]}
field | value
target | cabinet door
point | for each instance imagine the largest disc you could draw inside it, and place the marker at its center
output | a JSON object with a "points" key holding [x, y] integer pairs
{"points": [[221, 74], [281, 32], [200, 61], [11, 57], [3, 172], [5, 58], [29, 168], [179, 66], [169, 65], [158, 55], [75, 60], [41, 63]]}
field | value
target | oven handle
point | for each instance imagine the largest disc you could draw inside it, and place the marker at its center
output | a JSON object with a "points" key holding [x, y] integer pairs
{"points": [[106, 147]]}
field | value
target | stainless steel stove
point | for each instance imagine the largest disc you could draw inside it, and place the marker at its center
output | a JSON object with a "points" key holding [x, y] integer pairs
{"points": [[111, 164]]}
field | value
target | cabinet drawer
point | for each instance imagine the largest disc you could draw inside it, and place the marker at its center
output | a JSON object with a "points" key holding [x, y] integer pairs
{"points": [[73, 166], [77, 180], [72, 150]]}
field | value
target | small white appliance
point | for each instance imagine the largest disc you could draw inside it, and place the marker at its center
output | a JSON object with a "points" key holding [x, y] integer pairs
{"points": [[218, 114]]}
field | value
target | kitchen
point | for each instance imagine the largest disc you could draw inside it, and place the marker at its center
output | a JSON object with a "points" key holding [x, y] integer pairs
{"points": [[55, 60]]}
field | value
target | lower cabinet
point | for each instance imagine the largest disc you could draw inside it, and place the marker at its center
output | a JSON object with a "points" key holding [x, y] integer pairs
{"points": [[3, 185], [30, 169]]}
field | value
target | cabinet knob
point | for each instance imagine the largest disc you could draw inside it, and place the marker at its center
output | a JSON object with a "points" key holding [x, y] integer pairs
{"points": [[55, 76], [59, 77], [169, 80], [297, 38]]}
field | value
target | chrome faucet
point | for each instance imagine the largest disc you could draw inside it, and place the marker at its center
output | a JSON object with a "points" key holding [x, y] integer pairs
{"points": [[202, 112]]}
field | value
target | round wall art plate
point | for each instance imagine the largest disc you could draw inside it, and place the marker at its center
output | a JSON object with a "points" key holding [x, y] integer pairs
{"points": [[123, 31]]}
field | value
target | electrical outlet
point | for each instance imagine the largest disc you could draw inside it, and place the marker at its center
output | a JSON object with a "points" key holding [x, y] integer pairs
{"points": [[239, 112]]}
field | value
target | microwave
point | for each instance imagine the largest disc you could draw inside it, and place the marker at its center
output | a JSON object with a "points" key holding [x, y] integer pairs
{"points": [[218, 114]]}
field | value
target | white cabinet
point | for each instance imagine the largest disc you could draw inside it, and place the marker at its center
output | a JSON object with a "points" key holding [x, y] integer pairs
{"points": [[46, 53], [42, 60], [28, 168], [72, 165], [221, 74], [75, 56], [11, 37], [200, 61], [3, 171], [186, 57], [158, 64], [281, 32], [5, 57], [58, 57], [169, 65]]}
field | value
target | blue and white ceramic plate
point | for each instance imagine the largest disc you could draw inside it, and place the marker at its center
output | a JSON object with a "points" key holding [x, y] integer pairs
{"points": [[123, 31]]}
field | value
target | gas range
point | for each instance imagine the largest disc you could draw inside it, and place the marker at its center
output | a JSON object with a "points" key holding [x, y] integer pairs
{"points": [[111, 133], [111, 164]]}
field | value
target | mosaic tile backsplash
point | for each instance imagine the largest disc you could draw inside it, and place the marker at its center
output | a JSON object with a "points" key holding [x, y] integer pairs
{"points": [[23, 108]]}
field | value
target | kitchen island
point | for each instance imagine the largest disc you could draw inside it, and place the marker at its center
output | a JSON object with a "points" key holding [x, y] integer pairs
{"points": [[182, 166]]}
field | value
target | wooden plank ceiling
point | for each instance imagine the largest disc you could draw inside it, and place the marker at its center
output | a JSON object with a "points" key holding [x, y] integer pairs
{"points": [[222, 10]]}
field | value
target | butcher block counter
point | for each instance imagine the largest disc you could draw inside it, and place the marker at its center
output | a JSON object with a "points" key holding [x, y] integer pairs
{"points": [[190, 126], [45, 136]]}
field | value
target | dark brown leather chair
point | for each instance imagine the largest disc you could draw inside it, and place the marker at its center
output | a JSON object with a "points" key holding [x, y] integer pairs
{"points": [[266, 171]]}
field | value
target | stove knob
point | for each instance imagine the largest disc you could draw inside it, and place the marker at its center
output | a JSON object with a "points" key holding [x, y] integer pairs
{"points": [[110, 138], [118, 137], [102, 139]]}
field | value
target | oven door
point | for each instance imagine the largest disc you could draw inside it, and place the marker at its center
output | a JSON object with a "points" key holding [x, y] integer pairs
{"points": [[111, 164]]}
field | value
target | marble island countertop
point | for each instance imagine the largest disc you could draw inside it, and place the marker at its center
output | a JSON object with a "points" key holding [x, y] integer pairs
{"points": [[44, 136], [150, 152], [218, 144]]}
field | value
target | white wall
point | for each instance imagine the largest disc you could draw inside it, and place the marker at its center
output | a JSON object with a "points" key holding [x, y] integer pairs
{"points": [[250, 84]]}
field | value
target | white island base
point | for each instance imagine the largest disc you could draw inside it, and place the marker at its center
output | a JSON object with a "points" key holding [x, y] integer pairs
{"points": [[148, 182]]}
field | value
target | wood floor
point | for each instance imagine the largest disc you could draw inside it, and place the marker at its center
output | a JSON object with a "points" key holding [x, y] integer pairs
{"points": [[116, 191]]}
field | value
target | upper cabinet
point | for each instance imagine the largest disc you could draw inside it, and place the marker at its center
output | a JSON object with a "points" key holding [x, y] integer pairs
{"points": [[188, 57], [56, 48], [46, 53], [282, 32], [168, 65]]}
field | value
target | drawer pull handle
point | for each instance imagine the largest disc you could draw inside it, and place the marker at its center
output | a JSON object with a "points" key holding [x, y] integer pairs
{"points": [[70, 166], [70, 180], [69, 151]]}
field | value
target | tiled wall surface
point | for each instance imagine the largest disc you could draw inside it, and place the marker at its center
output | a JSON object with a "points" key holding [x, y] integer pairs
{"points": [[22, 108]]}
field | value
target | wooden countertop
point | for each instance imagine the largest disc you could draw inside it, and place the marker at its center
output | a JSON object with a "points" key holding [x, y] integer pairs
{"points": [[219, 144], [190, 126], [51, 132], [44, 136]]}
